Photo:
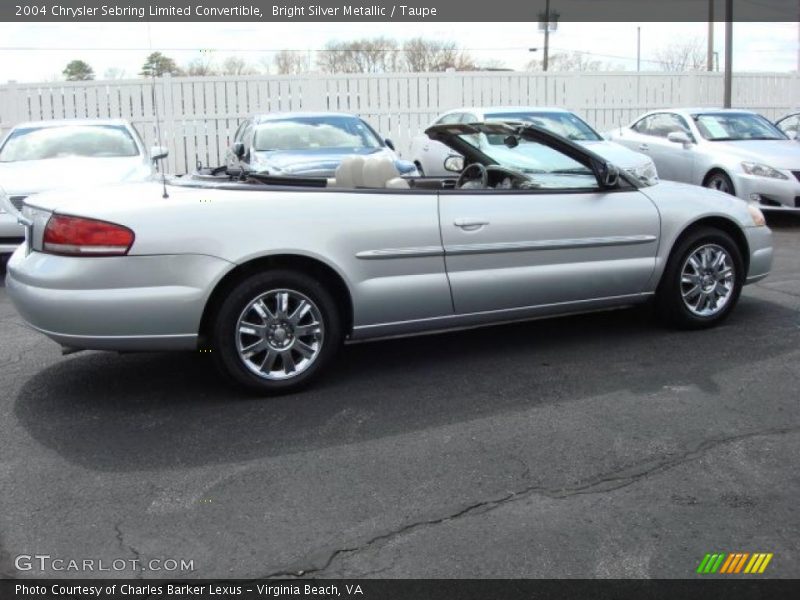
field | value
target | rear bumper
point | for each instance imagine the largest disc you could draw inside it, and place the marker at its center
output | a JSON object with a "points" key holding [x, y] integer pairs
{"points": [[759, 239], [125, 303]]}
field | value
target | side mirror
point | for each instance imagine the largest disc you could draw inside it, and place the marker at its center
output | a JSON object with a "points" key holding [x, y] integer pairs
{"points": [[158, 152], [679, 137], [238, 149], [389, 144], [609, 175], [454, 163]]}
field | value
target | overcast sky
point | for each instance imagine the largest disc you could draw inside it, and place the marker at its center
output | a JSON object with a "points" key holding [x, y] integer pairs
{"points": [[39, 51]]}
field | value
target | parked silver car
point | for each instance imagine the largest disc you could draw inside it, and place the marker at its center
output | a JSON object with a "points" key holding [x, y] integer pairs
{"points": [[789, 125], [735, 151], [429, 155], [305, 144], [47, 155], [272, 278]]}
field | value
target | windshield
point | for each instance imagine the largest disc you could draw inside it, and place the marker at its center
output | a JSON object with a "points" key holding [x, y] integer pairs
{"points": [[96, 141], [723, 127], [315, 133], [564, 124], [547, 166]]}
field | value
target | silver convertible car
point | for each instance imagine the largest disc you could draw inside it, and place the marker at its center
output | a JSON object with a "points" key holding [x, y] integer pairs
{"points": [[272, 274]]}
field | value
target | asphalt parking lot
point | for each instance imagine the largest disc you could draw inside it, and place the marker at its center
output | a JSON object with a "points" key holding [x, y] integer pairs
{"points": [[592, 446]]}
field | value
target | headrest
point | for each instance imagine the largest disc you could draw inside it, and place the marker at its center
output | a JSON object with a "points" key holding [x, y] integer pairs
{"points": [[378, 170], [349, 173]]}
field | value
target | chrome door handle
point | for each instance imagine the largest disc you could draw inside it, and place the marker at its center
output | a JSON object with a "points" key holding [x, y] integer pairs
{"points": [[644, 147], [425, 147], [470, 224]]}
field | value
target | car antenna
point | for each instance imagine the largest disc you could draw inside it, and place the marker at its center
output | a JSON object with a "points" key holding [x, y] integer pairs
{"points": [[158, 121]]}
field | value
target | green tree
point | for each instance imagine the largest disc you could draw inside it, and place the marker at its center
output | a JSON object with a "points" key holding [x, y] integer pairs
{"points": [[158, 65], [78, 70]]}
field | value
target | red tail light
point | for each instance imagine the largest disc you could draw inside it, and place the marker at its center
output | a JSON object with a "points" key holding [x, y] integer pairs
{"points": [[77, 236]]}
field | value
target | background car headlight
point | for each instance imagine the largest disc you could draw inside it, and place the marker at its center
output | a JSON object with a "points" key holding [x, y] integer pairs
{"points": [[646, 173], [761, 170]]}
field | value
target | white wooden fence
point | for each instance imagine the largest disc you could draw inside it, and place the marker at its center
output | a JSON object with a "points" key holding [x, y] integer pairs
{"points": [[198, 115]]}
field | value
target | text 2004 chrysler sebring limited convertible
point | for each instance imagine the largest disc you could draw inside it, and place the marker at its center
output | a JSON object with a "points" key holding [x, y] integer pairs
{"points": [[274, 273]]}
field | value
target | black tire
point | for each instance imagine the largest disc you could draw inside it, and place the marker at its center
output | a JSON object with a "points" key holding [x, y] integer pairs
{"points": [[225, 338], [670, 305], [718, 180]]}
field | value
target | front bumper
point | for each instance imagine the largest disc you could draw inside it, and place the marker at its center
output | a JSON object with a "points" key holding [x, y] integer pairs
{"points": [[123, 303], [769, 194], [759, 240]]}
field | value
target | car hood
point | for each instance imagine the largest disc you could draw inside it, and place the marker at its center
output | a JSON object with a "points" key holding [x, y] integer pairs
{"points": [[319, 163], [781, 154], [33, 176], [617, 154]]}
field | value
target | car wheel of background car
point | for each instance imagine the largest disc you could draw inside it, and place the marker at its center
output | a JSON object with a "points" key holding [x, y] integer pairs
{"points": [[702, 281], [717, 180], [275, 331]]}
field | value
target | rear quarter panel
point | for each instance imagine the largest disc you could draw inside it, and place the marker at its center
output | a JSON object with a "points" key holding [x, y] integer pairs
{"points": [[329, 226]]}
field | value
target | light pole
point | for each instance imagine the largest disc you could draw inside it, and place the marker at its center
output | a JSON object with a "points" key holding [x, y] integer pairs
{"points": [[545, 20], [710, 66], [638, 49], [728, 53]]}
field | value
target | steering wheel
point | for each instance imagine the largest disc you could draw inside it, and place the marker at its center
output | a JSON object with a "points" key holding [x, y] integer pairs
{"points": [[472, 174]]}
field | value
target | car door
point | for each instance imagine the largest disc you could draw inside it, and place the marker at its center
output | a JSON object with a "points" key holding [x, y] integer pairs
{"points": [[434, 153], [512, 249], [676, 159]]}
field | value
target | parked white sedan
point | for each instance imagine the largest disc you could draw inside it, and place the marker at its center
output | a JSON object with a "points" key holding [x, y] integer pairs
{"points": [[429, 156], [735, 151], [48, 155]]}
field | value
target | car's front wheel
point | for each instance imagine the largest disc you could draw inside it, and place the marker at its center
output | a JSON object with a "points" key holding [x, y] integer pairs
{"points": [[719, 181], [276, 331], [702, 281]]}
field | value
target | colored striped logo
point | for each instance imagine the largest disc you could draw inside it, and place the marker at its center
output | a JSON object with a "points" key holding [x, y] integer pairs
{"points": [[734, 562]]}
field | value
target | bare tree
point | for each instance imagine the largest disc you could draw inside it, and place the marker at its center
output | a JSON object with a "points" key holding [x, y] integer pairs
{"points": [[287, 62], [689, 55], [421, 55], [368, 55], [234, 65], [200, 66], [567, 61]]}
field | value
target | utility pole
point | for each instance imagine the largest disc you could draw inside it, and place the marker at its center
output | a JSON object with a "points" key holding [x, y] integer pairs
{"points": [[728, 53], [546, 35], [638, 48], [710, 35]]}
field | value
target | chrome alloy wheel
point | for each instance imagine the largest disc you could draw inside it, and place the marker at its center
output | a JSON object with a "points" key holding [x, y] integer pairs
{"points": [[279, 334], [720, 183], [707, 280]]}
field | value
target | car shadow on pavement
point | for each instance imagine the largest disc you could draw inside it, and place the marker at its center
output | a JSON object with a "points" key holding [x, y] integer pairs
{"points": [[115, 412]]}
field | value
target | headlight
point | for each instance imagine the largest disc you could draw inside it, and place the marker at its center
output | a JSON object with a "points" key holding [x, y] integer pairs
{"points": [[756, 215], [760, 170], [645, 173]]}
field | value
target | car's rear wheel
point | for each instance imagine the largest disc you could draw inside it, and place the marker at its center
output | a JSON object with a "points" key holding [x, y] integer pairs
{"points": [[276, 331], [702, 281], [717, 180]]}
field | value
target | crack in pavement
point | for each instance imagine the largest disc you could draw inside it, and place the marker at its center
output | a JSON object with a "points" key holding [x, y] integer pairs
{"points": [[127, 547], [599, 484]]}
